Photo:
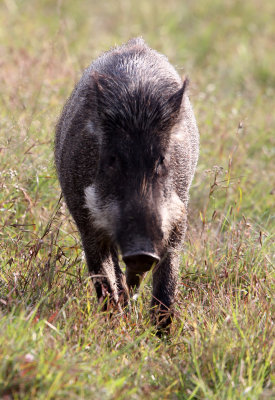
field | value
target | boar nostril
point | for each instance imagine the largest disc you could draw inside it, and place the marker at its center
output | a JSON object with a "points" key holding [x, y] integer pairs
{"points": [[140, 262]]}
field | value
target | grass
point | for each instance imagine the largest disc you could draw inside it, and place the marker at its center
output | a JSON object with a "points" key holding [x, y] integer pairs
{"points": [[54, 342]]}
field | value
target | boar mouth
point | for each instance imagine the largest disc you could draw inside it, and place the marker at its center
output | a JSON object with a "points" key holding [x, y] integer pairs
{"points": [[140, 262]]}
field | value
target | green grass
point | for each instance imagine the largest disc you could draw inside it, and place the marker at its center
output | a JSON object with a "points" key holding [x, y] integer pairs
{"points": [[54, 341]]}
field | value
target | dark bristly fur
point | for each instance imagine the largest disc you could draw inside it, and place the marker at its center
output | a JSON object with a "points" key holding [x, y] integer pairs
{"points": [[133, 109], [126, 150]]}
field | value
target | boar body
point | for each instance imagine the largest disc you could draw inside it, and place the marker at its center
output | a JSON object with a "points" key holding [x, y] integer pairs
{"points": [[126, 149]]}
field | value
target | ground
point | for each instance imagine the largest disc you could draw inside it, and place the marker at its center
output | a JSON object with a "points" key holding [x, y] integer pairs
{"points": [[54, 341]]}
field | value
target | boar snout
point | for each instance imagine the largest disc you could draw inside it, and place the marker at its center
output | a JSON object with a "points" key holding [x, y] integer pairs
{"points": [[140, 251], [140, 261]]}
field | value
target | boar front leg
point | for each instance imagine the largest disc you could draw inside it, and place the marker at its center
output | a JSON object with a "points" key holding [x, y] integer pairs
{"points": [[102, 270], [122, 289], [165, 278]]}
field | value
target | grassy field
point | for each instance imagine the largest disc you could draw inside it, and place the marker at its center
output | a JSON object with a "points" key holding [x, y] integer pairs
{"points": [[54, 342]]}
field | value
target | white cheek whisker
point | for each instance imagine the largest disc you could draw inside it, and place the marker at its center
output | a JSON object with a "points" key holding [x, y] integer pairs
{"points": [[172, 212], [104, 215]]}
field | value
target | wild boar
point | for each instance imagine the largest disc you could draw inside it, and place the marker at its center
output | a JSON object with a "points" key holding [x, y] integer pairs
{"points": [[126, 150]]}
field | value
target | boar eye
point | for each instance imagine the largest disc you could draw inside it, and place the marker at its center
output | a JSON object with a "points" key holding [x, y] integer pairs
{"points": [[160, 166], [112, 161], [161, 160]]}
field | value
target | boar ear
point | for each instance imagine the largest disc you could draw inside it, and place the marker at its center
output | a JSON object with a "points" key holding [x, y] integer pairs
{"points": [[97, 81], [103, 86], [175, 101]]}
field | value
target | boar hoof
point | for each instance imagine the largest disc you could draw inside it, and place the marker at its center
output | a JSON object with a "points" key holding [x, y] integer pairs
{"points": [[162, 320]]}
